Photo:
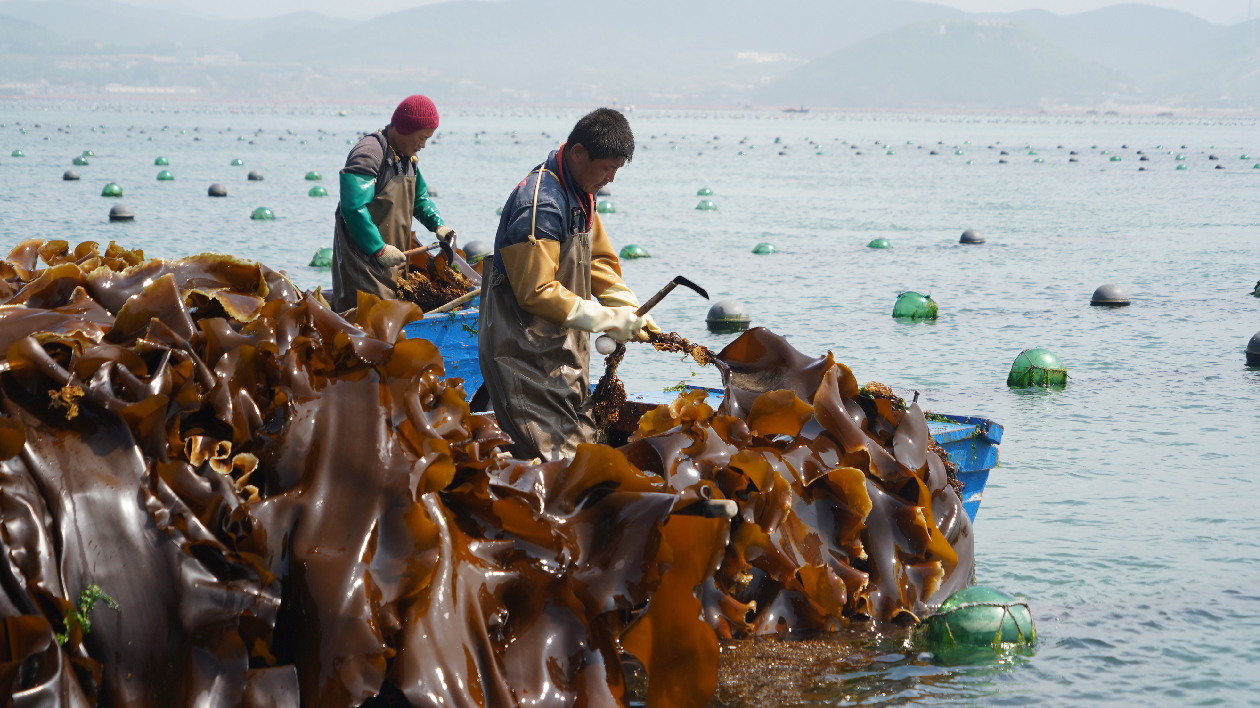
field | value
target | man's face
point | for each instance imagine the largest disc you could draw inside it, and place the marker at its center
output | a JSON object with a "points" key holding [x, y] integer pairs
{"points": [[411, 143], [592, 175]]}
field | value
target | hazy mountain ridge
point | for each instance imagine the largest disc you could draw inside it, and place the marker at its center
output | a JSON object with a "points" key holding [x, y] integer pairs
{"points": [[816, 52], [948, 64]]}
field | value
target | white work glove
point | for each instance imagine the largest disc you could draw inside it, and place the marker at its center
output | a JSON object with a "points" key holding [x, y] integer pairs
{"points": [[620, 323], [649, 325], [389, 257], [445, 233]]}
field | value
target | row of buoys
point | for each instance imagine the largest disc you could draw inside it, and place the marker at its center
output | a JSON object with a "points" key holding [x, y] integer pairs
{"points": [[1033, 367]]}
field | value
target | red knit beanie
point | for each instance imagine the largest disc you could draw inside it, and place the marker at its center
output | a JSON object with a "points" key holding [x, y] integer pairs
{"points": [[415, 113]]}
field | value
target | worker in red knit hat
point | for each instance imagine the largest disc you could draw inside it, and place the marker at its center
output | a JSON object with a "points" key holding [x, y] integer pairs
{"points": [[381, 191]]}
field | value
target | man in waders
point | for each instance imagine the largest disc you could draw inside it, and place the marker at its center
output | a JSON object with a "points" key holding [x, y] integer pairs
{"points": [[551, 256], [381, 190]]}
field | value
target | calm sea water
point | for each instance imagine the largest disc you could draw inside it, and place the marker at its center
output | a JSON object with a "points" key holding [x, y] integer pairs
{"points": [[1125, 506]]}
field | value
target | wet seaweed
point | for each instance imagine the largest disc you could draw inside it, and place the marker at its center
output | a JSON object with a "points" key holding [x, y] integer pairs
{"points": [[433, 285], [296, 507]]}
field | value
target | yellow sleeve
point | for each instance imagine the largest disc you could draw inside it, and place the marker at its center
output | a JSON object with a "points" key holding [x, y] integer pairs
{"points": [[606, 283], [531, 271]]}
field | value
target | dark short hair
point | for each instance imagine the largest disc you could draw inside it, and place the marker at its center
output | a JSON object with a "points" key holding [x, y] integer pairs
{"points": [[604, 132]]}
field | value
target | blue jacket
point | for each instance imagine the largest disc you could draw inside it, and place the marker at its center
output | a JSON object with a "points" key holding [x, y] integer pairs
{"points": [[563, 210]]}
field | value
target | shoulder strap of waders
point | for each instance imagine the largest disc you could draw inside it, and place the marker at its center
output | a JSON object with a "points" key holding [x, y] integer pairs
{"points": [[533, 218]]}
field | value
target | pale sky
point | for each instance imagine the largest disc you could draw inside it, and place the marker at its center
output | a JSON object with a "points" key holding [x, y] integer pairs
{"points": [[1221, 11]]}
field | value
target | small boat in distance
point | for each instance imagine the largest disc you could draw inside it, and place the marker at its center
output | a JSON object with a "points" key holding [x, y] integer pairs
{"points": [[802, 109]]}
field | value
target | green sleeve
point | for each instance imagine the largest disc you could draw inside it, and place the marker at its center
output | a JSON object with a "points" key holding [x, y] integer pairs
{"points": [[424, 209], [356, 192]]}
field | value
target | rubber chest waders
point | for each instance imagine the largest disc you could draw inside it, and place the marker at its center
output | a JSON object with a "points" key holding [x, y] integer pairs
{"points": [[536, 372], [391, 211]]}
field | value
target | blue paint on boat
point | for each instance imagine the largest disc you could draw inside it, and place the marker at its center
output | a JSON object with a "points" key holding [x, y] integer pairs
{"points": [[970, 441], [455, 335]]}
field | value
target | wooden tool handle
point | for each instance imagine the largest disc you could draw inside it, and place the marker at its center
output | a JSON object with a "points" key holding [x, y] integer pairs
{"points": [[455, 303], [655, 299]]}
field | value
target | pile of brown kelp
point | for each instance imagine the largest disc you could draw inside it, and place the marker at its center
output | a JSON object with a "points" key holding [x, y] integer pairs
{"points": [[290, 507], [432, 284]]}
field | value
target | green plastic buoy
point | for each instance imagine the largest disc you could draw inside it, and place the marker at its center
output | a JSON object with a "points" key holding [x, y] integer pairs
{"points": [[17, 153], [1039, 160], [89, 153], [606, 208], [1244, 157], [914, 306], [765, 249], [313, 176], [317, 191], [1180, 157], [958, 152], [322, 258], [498, 212], [1181, 167], [1037, 367], [237, 162], [632, 251], [165, 176], [80, 160], [980, 617], [704, 192], [706, 205], [890, 152], [161, 162], [1115, 158], [112, 190], [879, 243], [262, 214]]}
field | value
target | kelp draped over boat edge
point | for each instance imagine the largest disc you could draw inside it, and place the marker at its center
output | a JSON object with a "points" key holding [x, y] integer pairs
{"points": [[289, 505]]}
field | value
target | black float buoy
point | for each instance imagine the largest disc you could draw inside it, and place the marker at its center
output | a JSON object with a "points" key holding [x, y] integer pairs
{"points": [[1253, 350], [971, 236], [217, 190], [475, 251], [121, 212], [70, 176], [254, 176], [1110, 295], [728, 316]]}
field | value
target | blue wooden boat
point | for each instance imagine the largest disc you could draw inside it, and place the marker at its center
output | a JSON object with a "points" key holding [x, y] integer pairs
{"points": [[970, 441]]}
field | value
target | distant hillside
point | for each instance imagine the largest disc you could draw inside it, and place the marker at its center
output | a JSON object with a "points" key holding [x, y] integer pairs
{"points": [[1139, 41], [114, 25], [18, 35], [876, 53], [1227, 66], [946, 64]]}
